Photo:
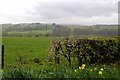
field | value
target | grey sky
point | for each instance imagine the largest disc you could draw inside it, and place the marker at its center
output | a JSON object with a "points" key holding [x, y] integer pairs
{"points": [[85, 12]]}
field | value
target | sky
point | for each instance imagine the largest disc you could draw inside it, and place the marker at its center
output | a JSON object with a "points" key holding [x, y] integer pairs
{"points": [[83, 12]]}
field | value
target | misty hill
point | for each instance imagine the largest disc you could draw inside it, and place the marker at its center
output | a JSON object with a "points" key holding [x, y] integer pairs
{"points": [[53, 29]]}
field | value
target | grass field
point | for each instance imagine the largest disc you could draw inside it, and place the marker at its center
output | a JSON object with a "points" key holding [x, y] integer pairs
{"points": [[42, 32], [28, 47]]}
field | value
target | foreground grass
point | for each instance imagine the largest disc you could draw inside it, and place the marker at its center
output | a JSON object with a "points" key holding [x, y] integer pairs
{"points": [[103, 71]]}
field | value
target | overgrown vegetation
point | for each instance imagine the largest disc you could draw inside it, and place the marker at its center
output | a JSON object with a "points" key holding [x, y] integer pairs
{"points": [[91, 51], [88, 72], [90, 58]]}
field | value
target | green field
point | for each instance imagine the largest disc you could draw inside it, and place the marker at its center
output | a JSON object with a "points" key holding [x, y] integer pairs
{"points": [[42, 32], [28, 47]]}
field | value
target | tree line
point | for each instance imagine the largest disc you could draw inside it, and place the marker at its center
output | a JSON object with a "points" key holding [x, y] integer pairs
{"points": [[55, 30]]}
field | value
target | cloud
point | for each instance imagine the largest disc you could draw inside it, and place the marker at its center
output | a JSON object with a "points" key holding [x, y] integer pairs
{"points": [[69, 12]]}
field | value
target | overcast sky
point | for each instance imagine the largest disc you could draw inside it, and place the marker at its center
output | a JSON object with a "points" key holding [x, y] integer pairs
{"points": [[84, 12]]}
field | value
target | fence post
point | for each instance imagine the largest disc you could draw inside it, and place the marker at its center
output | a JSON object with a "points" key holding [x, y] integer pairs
{"points": [[2, 57]]}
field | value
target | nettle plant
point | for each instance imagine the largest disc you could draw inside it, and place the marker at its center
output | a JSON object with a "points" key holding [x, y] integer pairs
{"points": [[92, 51]]}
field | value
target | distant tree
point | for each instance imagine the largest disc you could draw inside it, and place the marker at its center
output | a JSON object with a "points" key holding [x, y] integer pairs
{"points": [[61, 31], [53, 24], [79, 31], [90, 26]]}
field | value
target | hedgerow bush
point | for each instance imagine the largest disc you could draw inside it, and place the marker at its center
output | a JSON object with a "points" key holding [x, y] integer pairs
{"points": [[92, 51]]}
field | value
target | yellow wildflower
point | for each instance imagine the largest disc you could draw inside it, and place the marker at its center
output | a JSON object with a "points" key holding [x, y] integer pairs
{"points": [[101, 69], [100, 72], [83, 65], [91, 70], [75, 70], [79, 67]]}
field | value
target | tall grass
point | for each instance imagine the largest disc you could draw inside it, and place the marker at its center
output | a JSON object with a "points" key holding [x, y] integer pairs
{"points": [[63, 72]]}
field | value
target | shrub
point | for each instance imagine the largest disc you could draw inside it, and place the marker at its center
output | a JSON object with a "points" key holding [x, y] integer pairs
{"points": [[92, 51]]}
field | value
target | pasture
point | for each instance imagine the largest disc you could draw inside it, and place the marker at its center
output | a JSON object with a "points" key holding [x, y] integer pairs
{"points": [[28, 48]]}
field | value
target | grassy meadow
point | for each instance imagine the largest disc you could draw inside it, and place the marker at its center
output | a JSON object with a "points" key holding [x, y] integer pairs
{"points": [[29, 48]]}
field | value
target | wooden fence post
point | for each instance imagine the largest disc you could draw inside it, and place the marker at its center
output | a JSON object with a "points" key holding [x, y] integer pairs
{"points": [[2, 57]]}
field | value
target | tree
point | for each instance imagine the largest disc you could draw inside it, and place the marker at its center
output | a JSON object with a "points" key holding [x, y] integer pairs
{"points": [[61, 31]]}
